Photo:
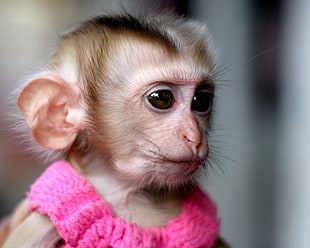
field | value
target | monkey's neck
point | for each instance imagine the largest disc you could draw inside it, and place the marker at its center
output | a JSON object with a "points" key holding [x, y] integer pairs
{"points": [[145, 207]]}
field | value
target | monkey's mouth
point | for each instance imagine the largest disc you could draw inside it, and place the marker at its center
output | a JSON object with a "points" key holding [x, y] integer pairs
{"points": [[191, 165], [183, 169], [185, 164]]}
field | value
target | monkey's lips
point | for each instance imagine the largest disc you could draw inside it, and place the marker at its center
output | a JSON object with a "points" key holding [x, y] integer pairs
{"points": [[187, 164], [185, 168], [190, 164]]}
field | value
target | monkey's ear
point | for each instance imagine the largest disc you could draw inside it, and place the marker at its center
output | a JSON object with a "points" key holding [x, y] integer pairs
{"points": [[51, 108]]}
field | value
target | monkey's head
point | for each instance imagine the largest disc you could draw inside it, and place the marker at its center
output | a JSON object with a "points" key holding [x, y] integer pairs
{"points": [[137, 92]]}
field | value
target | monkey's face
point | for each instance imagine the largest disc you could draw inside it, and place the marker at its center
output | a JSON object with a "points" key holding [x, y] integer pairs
{"points": [[167, 141], [157, 132]]}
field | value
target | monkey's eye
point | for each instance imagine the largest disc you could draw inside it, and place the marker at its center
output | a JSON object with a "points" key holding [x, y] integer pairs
{"points": [[202, 102], [161, 99]]}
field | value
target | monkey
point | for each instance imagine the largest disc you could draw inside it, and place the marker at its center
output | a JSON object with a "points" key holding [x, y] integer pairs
{"points": [[123, 107]]}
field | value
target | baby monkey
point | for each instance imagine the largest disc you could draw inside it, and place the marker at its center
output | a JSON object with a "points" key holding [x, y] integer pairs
{"points": [[126, 103]]}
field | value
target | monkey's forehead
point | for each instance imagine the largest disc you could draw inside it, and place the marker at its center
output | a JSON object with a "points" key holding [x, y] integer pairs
{"points": [[140, 61]]}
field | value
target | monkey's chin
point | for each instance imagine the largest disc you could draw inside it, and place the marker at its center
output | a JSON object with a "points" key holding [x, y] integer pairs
{"points": [[177, 174], [177, 186]]}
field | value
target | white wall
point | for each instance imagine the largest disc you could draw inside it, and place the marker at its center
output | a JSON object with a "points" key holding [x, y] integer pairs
{"points": [[293, 171]]}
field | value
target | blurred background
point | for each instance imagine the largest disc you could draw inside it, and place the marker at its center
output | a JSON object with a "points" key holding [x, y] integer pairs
{"points": [[261, 136]]}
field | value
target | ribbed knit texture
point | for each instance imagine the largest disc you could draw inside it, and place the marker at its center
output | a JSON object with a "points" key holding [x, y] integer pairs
{"points": [[85, 220]]}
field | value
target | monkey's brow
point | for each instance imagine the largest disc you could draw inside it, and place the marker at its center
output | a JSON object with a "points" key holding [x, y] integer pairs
{"points": [[207, 83]]}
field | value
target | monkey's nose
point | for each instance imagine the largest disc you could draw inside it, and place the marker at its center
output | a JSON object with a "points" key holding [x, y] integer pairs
{"points": [[192, 134], [197, 146], [193, 140]]}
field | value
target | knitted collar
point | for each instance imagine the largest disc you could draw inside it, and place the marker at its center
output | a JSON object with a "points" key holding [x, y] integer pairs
{"points": [[84, 220]]}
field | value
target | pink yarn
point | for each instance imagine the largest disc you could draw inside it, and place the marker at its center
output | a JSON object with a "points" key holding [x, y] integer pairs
{"points": [[84, 220]]}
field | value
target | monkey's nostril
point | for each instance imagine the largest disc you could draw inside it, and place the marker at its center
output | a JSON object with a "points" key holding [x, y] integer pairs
{"points": [[193, 141]]}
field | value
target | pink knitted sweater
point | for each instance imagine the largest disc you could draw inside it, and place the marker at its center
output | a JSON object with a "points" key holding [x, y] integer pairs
{"points": [[84, 220]]}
